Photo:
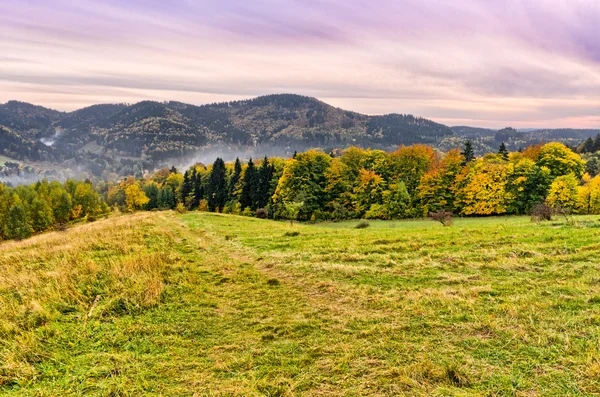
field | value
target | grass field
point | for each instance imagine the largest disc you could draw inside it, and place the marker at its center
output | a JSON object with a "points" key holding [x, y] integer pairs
{"points": [[215, 305], [4, 159]]}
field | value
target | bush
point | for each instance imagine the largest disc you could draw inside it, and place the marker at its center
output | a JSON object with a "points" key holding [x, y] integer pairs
{"points": [[261, 213], [443, 217], [180, 208], [541, 212], [362, 225]]}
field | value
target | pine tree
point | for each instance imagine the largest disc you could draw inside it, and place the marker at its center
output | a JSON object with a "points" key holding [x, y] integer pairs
{"points": [[16, 226], [187, 187], [166, 198], [217, 185], [597, 143], [588, 146], [235, 178], [249, 187], [198, 190], [265, 174], [502, 151], [151, 191], [468, 152]]}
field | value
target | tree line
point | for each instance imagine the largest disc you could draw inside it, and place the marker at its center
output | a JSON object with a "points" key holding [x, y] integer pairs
{"points": [[25, 210], [412, 181], [360, 183]]}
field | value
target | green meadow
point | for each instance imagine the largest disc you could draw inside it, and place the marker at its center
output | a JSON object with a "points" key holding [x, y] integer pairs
{"points": [[205, 304]]}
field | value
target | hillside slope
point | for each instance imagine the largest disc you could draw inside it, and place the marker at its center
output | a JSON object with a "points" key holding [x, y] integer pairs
{"points": [[211, 304]]}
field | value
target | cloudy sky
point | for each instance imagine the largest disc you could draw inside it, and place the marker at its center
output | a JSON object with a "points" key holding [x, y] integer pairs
{"points": [[491, 63]]}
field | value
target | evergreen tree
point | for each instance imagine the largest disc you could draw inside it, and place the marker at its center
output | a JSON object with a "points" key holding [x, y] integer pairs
{"points": [[16, 226], [502, 151], [468, 152], [173, 170], [217, 185], [597, 143], [166, 198], [235, 178], [249, 187], [198, 190], [151, 191], [588, 146], [265, 174], [187, 188]]}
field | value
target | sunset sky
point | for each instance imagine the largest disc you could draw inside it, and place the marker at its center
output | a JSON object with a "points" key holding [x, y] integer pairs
{"points": [[489, 63]]}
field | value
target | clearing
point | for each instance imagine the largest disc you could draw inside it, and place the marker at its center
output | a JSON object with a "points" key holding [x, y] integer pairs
{"points": [[205, 304]]}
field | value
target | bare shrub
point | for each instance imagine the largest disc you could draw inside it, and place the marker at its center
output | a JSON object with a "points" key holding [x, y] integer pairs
{"points": [[262, 213], [443, 217], [362, 225], [541, 212]]}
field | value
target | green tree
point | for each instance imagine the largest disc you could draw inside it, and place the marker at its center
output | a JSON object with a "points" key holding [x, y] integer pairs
{"points": [[265, 175], [61, 205], [151, 191], [503, 151], [41, 215], [468, 153], [235, 179], [304, 175], [17, 227], [249, 186], [217, 185]]}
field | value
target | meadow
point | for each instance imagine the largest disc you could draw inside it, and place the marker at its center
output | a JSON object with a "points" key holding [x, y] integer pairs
{"points": [[206, 304]]}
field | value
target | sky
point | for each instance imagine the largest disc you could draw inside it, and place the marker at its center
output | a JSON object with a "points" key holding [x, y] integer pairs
{"points": [[488, 63]]}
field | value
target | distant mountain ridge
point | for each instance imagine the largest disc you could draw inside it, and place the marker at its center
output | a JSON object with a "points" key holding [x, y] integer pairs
{"points": [[157, 131]]}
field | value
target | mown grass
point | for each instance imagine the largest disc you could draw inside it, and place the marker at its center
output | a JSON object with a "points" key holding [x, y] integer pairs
{"points": [[217, 305]]}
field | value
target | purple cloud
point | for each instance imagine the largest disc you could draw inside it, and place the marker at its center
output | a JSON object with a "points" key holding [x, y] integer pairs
{"points": [[472, 59]]}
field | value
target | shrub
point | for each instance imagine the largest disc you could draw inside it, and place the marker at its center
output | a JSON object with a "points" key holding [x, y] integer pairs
{"points": [[443, 217], [261, 213], [180, 208], [362, 225], [541, 212]]}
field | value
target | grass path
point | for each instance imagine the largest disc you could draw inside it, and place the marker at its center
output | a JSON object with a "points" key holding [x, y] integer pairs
{"points": [[215, 305]]}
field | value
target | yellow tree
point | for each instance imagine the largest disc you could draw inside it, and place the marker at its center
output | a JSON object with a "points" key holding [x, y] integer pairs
{"points": [[481, 188], [435, 189], [135, 198], [560, 160], [563, 192], [368, 191], [588, 195]]}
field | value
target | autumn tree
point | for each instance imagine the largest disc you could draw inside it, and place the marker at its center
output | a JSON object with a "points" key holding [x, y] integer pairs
{"points": [[480, 188], [306, 174], [563, 192], [135, 198], [561, 160], [435, 188]]}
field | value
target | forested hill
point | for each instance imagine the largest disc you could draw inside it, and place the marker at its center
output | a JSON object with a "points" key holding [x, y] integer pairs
{"points": [[103, 137], [159, 130]]}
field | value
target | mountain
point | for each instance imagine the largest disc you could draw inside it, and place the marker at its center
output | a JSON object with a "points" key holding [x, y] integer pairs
{"points": [[162, 130], [120, 138], [27, 119]]}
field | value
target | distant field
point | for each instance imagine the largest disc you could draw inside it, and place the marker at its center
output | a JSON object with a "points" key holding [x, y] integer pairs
{"points": [[4, 159], [205, 304]]}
